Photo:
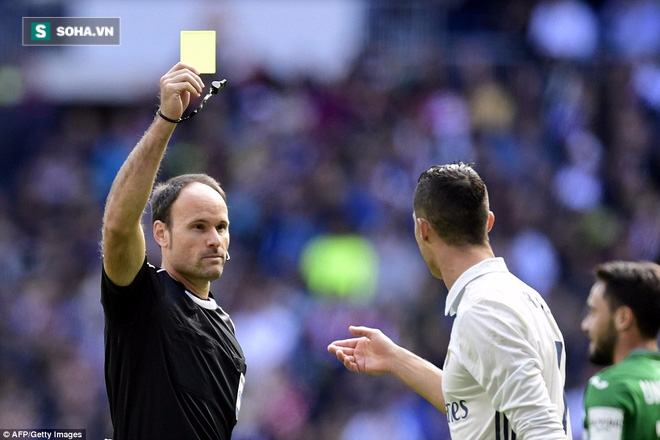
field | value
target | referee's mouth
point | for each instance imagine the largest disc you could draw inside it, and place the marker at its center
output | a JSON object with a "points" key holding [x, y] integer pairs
{"points": [[213, 257]]}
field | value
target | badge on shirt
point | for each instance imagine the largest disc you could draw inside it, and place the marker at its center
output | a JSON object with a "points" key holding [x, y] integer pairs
{"points": [[605, 422]]}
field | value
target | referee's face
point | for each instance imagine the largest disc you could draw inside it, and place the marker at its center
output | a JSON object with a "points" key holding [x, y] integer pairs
{"points": [[196, 242]]}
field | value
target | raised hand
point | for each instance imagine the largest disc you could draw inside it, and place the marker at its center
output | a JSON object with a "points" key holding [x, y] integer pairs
{"points": [[176, 86]]}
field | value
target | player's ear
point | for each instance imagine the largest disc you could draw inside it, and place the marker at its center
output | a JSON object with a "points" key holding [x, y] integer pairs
{"points": [[491, 221], [623, 318], [424, 228]]}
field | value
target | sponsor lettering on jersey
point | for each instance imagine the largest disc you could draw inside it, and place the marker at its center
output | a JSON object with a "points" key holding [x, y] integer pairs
{"points": [[651, 390], [456, 411]]}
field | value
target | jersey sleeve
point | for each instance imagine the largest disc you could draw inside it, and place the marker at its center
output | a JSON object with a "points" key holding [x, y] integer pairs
{"points": [[122, 303], [605, 406], [503, 361]]}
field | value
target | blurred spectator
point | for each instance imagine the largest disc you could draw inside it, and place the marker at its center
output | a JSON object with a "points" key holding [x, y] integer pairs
{"points": [[535, 259], [564, 29], [577, 184], [632, 28]]}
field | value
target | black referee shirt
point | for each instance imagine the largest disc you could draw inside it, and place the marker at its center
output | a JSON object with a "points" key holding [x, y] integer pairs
{"points": [[173, 367]]}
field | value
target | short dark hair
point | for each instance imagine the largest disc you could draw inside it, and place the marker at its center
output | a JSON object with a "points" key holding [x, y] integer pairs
{"points": [[635, 285], [454, 199], [165, 194]]}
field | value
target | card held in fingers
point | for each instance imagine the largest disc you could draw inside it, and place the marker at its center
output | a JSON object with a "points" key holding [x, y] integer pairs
{"points": [[198, 50]]}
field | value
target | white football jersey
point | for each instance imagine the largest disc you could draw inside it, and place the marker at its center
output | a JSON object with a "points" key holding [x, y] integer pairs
{"points": [[504, 373]]}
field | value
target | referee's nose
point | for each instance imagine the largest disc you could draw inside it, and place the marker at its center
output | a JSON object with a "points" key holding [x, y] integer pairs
{"points": [[214, 239]]}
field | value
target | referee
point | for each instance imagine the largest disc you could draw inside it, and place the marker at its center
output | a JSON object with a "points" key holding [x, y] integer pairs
{"points": [[173, 367]]}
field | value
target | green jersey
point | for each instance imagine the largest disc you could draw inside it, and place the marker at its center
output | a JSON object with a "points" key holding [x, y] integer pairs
{"points": [[623, 401]]}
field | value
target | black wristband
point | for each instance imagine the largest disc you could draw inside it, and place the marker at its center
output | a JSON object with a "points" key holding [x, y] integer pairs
{"points": [[173, 121]]}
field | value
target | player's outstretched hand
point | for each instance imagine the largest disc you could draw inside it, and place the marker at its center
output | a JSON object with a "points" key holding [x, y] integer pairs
{"points": [[371, 352]]}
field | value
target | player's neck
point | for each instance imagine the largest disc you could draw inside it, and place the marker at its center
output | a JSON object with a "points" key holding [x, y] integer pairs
{"points": [[628, 345], [454, 261]]}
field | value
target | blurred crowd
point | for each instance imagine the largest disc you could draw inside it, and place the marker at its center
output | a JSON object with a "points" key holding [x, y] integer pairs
{"points": [[557, 104]]}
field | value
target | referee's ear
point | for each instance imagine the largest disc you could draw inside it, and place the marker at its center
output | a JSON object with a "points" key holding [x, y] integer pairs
{"points": [[161, 234]]}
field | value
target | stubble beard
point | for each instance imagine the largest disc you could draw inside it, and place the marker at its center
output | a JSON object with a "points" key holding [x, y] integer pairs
{"points": [[603, 350]]}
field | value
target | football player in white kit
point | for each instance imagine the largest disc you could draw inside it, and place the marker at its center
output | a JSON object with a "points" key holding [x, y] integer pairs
{"points": [[504, 373]]}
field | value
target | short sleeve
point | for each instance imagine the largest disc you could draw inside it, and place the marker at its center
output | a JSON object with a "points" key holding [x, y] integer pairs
{"points": [[121, 303], [605, 392], [606, 405]]}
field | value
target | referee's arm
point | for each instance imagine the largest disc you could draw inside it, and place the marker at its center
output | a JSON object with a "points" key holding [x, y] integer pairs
{"points": [[123, 239]]}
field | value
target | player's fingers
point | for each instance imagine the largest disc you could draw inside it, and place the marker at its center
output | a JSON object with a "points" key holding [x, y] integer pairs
{"points": [[341, 355], [337, 345], [347, 360], [362, 331], [345, 343]]}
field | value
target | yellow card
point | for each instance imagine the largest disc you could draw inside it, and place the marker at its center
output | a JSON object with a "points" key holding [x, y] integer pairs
{"points": [[198, 50]]}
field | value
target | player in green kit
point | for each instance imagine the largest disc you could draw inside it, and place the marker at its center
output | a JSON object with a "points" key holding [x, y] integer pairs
{"points": [[623, 400]]}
